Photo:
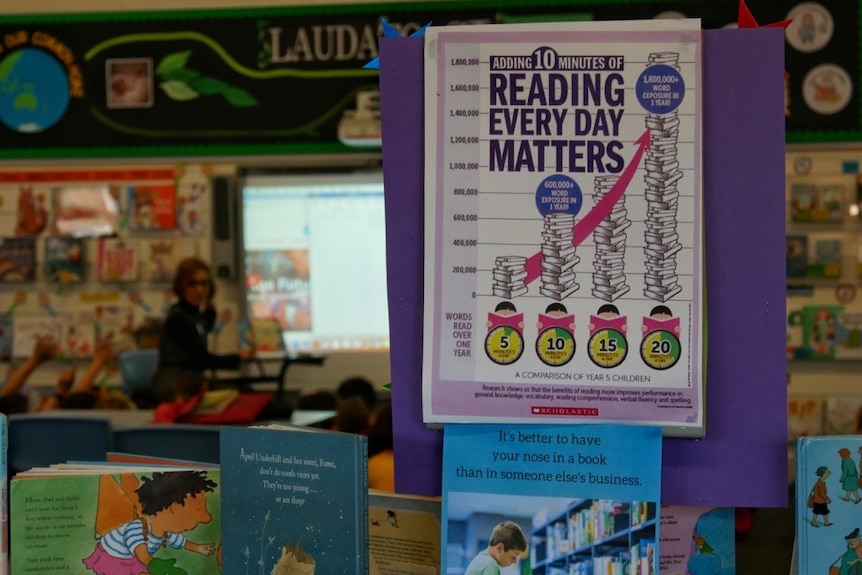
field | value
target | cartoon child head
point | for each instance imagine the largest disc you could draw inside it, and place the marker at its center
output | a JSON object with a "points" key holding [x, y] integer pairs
{"points": [[822, 472], [660, 313], [555, 310], [176, 499], [505, 308], [607, 311]]}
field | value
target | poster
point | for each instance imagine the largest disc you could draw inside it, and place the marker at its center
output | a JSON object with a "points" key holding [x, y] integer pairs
{"points": [[563, 264]]}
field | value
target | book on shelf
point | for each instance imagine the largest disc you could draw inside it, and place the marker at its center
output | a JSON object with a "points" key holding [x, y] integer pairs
{"points": [[803, 200], [77, 337], [159, 258], [27, 329], [830, 204], [91, 517], [804, 416], [6, 336], [841, 413], [697, 540], [827, 503], [403, 534], [263, 334], [85, 211], [4, 496], [797, 256], [848, 334], [826, 261], [819, 330], [569, 499], [296, 500], [17, 259], [64, 259], [794, 332], [117, 260], [152, 207], [114, 321]]}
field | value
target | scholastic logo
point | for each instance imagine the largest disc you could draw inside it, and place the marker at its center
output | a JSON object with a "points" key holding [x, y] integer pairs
{"points": [[570, 411]]}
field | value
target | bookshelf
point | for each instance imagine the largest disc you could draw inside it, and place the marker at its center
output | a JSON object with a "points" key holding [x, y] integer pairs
{"points": [[591, 536]]}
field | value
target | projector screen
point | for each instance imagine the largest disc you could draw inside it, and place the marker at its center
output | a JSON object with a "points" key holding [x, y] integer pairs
{"points": [[314, 249]]}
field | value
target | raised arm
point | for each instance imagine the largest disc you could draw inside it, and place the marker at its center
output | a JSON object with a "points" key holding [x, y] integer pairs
{"points": [[44, 349]]}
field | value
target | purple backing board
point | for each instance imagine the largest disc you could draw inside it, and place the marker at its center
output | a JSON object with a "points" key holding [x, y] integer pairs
{"points": [[742, 461]]}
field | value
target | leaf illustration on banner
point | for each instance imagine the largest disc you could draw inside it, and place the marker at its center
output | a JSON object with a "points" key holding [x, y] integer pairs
{"points": [[177, 90], [208, 86], [238, 97], [183, 84], [173, 62]]}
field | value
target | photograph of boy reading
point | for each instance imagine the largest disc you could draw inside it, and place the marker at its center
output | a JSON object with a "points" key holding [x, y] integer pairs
{"points": [[506, 545], [183, 348]]}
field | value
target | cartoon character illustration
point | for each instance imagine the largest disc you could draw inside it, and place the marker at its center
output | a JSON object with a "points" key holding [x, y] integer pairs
{"points": [[505, 314], [504, 343], [162, 259], [392, 517], [143, 210], [660, 318], [608, 317], [556, 315], [807, 28], [163, 507], [851, 561], [818, 499], [849, 477]]}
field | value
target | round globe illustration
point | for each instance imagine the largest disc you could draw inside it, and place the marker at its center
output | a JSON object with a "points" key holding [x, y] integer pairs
{"points": [[34, 90]]}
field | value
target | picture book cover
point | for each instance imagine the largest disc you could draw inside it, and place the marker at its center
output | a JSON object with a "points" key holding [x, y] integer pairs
{"points": [[159, 258], [117, 260], [77, 336], [403, 534], [85, 211], [841, 414], [819, 324], [577, 499], [826, 262], [830, 204], [848, 334], [27, 329], [697, 540], [114, 322], [797, 256], [193, 213], [827, 503], [152, 207], [296, 500], [109, 521], [18, 259], [64, 259], [803, 200], [795, 349], [804, 416]]}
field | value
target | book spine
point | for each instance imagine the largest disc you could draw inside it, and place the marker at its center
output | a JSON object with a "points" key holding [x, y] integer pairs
{"points": [[4, 497], [362, 526]]}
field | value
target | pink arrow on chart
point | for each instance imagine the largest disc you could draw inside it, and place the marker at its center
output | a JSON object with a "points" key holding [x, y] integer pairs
{"points": [[600, 211]]}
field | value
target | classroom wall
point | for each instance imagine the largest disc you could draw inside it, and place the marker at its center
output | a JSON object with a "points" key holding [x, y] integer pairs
{"points": [[338, 366]]}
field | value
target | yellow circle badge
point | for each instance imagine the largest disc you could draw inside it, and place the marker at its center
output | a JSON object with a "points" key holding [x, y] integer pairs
{"points": [[555, 346], [504, 345]]}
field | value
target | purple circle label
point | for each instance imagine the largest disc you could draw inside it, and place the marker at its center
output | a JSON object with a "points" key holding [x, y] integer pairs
{"points": [[660, 89], [558, 194]]}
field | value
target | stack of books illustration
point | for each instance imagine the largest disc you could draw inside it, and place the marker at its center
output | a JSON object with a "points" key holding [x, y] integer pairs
{"points": [[609, 279], [558, 257]]}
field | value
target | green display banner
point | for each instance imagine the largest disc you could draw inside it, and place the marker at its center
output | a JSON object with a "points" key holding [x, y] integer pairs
{"points": [[291, 80]]}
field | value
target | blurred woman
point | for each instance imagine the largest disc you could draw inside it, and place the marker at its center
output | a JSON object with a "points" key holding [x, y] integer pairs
{"points": [[183, 348]]}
